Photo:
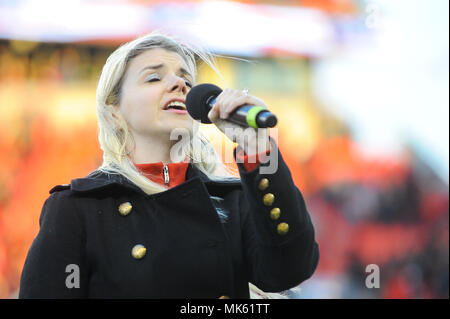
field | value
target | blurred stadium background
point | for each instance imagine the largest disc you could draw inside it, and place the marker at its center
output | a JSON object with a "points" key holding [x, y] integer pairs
{"points": [[360, 88]]}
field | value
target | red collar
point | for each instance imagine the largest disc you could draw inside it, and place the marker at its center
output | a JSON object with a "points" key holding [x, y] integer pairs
{"points": [[155, 172]]}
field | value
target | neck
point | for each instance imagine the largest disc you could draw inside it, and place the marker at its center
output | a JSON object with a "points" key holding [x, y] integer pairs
{"points": [[152, 150]]}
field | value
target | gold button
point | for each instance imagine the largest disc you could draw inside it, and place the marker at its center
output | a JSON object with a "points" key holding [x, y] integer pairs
{"points": [[263, 184], [268, 199], [138, 251], [275, 213], [283, 228], [125, 208], [224, 297]]}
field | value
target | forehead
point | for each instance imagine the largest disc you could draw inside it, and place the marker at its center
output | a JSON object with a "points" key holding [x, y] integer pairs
{"points": [[157, 56]]}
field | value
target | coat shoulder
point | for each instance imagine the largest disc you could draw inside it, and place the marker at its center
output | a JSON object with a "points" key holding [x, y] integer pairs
{"points": [[59, 188], [69, 186], [92, 183]]}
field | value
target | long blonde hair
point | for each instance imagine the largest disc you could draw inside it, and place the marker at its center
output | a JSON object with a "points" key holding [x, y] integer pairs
{"points": [[114, 135]]}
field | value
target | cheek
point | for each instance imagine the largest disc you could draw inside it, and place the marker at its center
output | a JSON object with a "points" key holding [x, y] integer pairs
{"points": [[139, 107]]}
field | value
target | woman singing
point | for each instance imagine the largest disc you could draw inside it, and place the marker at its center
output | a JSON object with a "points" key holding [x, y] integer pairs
{"points": [[145, 226]]}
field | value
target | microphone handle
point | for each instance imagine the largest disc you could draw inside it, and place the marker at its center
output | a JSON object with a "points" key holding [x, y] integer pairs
{"points": [[250, 116]]}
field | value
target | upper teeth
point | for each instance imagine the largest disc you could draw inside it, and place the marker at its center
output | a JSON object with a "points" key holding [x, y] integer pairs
{"points": [[176, 103]]}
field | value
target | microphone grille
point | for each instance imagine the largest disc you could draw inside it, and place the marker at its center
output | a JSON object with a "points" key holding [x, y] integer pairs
{"points": [[197, 98]]}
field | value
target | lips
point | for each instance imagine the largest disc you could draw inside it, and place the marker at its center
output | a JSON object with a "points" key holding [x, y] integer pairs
{"points": [[176, 111], [175, 104]]}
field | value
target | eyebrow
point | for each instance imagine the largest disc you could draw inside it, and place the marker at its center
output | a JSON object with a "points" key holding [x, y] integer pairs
{"points": [[159, 66]]}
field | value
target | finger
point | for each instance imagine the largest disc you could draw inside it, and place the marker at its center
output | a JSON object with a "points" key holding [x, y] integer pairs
{"points": [[228, 103], [213, 114], [223, 96], [225, 104]]}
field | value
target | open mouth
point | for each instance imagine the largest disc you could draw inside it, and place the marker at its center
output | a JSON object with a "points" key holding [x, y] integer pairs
{"points": [[177, 105]]}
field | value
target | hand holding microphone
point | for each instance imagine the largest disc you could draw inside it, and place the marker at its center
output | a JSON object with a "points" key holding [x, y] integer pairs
{"points": [[207, 102], [232, 111]]}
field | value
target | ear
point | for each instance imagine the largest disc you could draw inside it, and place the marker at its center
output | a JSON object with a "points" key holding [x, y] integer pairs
{"points": [[113, 109], [113, 116]]}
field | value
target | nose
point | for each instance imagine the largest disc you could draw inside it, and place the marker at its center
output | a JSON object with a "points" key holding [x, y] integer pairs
{"points": [[178, 84]]}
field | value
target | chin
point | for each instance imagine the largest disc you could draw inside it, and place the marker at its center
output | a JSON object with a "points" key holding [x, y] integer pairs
{"points": [[182, 127]]}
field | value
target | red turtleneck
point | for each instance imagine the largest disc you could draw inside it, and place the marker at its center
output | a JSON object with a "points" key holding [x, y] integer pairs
{"points": [[177, 171], [155, 173]]}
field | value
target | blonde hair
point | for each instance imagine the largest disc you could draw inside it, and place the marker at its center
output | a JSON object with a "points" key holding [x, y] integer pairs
{"points": [[114, 135]]}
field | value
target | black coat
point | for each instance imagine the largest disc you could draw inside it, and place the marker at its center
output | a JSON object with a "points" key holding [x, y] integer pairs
{"points": [[189, 253]]}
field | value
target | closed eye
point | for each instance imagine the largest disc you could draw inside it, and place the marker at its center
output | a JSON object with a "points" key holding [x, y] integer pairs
{"points": [[155, 79], [152, 80]]}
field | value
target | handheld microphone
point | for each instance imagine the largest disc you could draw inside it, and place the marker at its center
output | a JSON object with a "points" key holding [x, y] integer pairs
{"points": [[201, 99]]}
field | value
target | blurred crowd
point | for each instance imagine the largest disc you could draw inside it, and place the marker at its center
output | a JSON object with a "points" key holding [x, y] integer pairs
{"points": [[393, 215]]}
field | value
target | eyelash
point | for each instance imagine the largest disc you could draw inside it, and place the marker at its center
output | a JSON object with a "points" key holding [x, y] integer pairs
{"points": [[189, 84]]}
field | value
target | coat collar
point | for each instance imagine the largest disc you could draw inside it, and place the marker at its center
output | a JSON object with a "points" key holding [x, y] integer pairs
{"points": [[97, 181]]}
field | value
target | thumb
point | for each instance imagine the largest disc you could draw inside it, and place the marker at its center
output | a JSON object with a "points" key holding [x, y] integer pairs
{"points": [[213, 115]]}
